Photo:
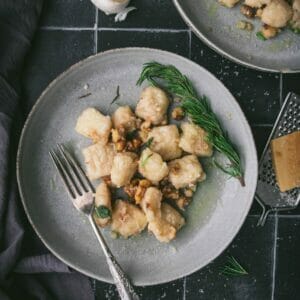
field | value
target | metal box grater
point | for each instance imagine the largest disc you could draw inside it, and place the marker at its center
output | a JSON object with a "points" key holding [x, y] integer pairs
{"points": [[268, 194]]}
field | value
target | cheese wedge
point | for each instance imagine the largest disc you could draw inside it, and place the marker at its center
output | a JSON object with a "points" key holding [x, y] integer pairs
{"points": [[286, 160]]}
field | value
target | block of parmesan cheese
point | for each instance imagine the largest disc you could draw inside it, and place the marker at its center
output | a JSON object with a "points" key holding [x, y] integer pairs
{"points": [[286, 160]]}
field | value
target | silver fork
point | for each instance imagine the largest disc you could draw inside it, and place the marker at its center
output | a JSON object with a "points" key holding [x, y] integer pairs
{"points": [[82, 195]]}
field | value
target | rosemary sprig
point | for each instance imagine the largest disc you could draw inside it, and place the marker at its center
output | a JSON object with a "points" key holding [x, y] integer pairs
{"points": [[233, 268], [198, 109]]}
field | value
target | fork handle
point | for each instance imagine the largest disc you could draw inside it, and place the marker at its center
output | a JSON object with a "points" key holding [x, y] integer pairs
{"points": [[123, 284]]}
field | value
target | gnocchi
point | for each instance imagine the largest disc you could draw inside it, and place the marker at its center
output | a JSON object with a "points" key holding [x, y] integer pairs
{"points": [[165, 141], [153, 105], [148, 160], [274, 14], [92, 124], [98, 160]]}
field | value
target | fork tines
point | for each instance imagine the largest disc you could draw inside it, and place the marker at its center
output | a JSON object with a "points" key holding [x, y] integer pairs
{"points": [[71, 173]]}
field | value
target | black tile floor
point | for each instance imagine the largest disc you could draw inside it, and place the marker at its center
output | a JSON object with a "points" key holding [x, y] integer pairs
{"points": [[73, 30], [177, 42], [149, 14]]}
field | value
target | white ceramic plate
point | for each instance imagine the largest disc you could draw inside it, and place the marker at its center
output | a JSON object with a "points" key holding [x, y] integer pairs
{"points": [[216, 26], [216, 214]]}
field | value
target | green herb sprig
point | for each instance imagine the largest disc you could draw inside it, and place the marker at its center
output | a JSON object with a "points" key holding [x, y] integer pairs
{"points": [[198, 109], [102, 212], [260, 36], [233, 268], [295, 30]]}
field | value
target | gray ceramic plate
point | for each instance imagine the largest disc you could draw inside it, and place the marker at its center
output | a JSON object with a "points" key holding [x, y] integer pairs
{"points": [[218, 210], [216, 26]]}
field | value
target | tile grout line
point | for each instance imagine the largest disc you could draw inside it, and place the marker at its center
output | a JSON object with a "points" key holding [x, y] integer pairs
{"points": [[274, 216], [96, 31], [67, 28], [274, 257], [184, 289], [114, 29], [288, 216], [261, 125], [190, 43], [164, 30], [280, 89], [254, 216]]}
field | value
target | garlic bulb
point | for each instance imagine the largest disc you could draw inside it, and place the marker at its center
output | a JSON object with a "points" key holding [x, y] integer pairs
{"points": [[111, 6], [118, 7]]}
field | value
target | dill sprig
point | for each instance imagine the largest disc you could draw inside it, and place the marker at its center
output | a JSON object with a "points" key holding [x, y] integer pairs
{"points": [[233, 268], [198, 109]]}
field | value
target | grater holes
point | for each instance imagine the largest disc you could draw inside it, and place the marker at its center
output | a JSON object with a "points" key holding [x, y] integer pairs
{"points": [[293, 193], [290, 122], [267, 174], [289, 126], [273, 183]]}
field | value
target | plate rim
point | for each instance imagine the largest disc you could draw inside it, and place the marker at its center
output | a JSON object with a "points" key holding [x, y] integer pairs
{"points": [[40, 99], [225, 54]]}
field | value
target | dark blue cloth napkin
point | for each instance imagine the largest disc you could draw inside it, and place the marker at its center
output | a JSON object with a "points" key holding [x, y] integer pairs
{"points": [[27, 269]]}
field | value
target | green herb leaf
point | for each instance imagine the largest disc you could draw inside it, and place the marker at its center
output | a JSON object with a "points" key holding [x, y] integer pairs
{"points": [[295, 30], [144, 160], [85, 95], [102, 212], [197, 108], [148, 143], [131, 134], [117, 96], [260, 36], [233, 268]]}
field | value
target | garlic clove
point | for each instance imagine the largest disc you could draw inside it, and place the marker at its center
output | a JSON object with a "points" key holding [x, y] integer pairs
{"points": [[111, 6], [122, 15]]}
